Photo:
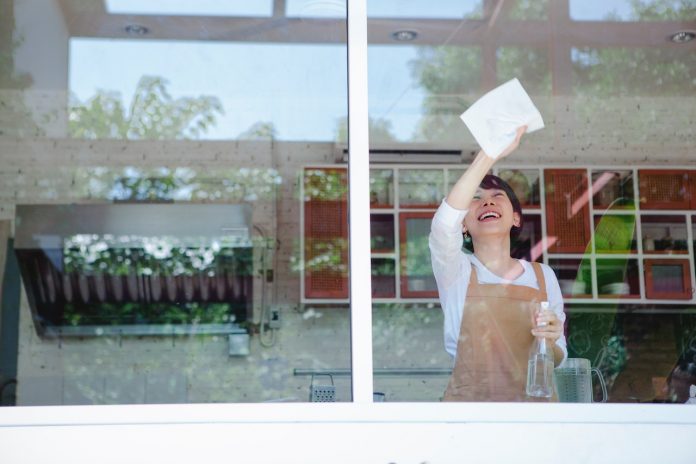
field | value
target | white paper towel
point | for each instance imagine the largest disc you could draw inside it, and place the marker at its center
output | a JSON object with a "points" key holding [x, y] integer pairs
{"points": [[494, 118]]}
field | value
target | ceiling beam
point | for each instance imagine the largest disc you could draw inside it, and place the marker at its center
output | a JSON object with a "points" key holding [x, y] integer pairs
{"points": [[95, 22]]}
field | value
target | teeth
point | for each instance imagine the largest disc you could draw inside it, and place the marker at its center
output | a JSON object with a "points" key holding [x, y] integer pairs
{"points": [[489, 214]]}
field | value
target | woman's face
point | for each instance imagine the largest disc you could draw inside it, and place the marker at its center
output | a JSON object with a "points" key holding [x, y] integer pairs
{"points": [[490, 214]]}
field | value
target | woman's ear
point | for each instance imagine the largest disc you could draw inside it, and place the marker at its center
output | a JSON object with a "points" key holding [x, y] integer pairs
{"points": [[516, 219]]}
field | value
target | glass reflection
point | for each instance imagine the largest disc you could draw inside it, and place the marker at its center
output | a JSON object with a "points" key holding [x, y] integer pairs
{"points": [[591, 183], [188, 110]]}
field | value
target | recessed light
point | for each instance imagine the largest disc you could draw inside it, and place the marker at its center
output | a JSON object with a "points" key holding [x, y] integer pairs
{"points": [[682, 36], [405, 35], [136, 29]]}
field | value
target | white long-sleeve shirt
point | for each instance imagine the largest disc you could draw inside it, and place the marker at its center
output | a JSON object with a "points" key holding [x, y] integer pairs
{"points": [[452, 270]]}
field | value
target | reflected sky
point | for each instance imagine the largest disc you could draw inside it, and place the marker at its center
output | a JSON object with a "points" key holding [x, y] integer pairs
{"points": [[301, 89]]}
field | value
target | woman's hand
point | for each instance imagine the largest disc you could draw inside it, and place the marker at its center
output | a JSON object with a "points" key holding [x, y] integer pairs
{"points": [[548, 326], [515, 143], [464, 189]]}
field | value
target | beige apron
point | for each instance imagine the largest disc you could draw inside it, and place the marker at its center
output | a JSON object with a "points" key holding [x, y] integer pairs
{"points": [[494, 341]]}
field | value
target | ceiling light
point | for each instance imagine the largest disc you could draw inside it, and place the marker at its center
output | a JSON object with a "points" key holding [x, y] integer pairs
{"points": [[405, 35], [136, 29], [682, 37]]}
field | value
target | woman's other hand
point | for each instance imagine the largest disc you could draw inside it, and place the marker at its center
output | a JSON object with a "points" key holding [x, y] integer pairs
{"points": [[548, 326]]}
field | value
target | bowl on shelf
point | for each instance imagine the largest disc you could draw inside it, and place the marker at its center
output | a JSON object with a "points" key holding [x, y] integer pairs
{"points": [[616, 288], [573, 287]]}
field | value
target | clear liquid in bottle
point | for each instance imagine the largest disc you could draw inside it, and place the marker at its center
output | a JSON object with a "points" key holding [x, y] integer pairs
{"points": [[540, 366], [540, 376]]}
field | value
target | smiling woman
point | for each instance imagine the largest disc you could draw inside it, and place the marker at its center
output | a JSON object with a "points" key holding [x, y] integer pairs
{"points": [[494, 305]]}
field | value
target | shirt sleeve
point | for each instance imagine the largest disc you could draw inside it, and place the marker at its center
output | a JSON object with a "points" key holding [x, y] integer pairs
{"points": [[553, 292], [450, 266], [445, 243]]}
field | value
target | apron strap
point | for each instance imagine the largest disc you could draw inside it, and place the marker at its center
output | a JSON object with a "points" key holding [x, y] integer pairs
{"points": [[541, 281]]}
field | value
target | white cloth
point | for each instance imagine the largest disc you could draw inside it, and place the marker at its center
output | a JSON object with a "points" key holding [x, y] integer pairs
{"points": [[494, 118], [452, 270]]}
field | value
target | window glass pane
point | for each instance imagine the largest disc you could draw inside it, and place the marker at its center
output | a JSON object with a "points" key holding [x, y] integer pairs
{"points": [[606, 192], [172, 226]]}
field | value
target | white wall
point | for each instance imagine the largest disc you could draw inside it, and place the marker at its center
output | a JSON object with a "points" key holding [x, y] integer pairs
{"points": [[350, 433]]}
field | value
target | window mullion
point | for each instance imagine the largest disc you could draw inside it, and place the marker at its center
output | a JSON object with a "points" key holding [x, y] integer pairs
{"points": [[359, 205]]}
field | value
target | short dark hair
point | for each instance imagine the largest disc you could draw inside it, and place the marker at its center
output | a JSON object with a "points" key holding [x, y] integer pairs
{"points": [[494, 182]]}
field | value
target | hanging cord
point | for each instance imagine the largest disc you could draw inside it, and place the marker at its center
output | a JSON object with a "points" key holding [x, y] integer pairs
{"points": [[264, 305]]}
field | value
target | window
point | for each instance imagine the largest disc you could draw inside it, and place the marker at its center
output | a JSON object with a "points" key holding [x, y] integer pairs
{"points": [[105, 111]]}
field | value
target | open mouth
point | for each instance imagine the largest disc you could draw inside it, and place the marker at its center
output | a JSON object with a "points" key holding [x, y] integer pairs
{"points": [[489, 215]]}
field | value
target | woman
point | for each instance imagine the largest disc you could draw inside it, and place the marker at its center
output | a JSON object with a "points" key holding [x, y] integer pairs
{"points": [[490, 300]]}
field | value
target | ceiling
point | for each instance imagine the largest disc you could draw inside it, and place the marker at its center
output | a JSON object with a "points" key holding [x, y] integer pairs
{"points": [[91, 19]]}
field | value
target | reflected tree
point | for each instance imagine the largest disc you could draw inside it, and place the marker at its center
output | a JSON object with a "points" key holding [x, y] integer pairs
{"points": [[152, 114], [529, 10], [530, 65], [15, 117], [448, 75], [262, 130], [639, 71], [380, 130], [663, 10]]}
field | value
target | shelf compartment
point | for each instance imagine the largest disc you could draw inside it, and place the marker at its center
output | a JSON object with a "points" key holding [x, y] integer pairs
{"points": [[574, 277], [618, 278], [326, 233], [528, 244], [383, 278], [381, 188], [382, 233], [664, 234], [664, 189], [417, 280], [615, 233], [421, 188], [613, 190], [667, 279], [567, 210]]}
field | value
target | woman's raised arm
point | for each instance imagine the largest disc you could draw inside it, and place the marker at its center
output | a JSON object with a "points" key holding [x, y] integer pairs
{"points": [[463, 191]]}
